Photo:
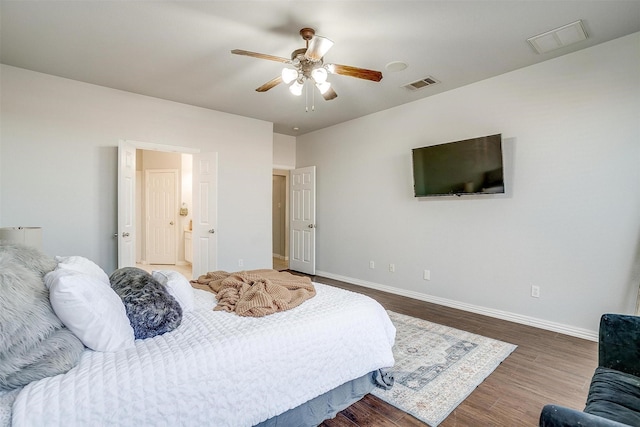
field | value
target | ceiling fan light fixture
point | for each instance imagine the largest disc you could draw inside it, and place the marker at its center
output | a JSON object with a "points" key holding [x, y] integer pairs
{"points": [[323, 87], [307, 63], [318, 47], [319, 75], [288, 75], [296, 88]]}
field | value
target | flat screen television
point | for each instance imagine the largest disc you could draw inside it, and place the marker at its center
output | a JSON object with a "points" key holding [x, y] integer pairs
{"points": [[471, 166]]}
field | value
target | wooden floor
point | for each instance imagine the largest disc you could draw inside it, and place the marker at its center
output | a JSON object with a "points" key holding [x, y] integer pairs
{"points": [[547, 367]]}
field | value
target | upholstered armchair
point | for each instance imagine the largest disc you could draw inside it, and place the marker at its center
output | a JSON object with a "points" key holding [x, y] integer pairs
{"points": [[614, 394]]}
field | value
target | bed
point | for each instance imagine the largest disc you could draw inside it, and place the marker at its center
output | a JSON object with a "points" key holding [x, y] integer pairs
{"points": [[295, 367]]}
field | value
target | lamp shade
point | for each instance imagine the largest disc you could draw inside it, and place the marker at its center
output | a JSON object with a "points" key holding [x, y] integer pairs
{"points": [[30, 236], [318, 47]]}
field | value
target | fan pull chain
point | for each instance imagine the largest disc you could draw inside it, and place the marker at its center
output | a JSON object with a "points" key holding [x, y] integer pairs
{"points": [[313, 100], [306, 98]]}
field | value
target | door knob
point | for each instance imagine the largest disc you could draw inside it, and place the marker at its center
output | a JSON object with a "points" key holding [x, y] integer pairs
{"points": [[312, 226], [171, 223], [212, 231], [125, 234]]}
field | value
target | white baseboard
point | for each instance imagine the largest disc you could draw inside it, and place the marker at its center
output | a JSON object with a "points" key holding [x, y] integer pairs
{"points": [[491, 312], [282, 257]]}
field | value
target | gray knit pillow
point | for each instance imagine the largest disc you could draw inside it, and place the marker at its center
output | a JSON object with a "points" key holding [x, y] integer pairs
{"points": [[151, 309]]}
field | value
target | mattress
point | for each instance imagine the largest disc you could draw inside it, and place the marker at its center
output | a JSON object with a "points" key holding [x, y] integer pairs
{"points": [[219, 369]]}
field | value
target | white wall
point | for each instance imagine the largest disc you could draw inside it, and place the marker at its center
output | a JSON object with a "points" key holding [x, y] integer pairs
{"points": [[284, 151], [569, 223], [59, 164]]}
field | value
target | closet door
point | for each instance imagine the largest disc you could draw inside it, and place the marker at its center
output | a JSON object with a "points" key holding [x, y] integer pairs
{"points": [[303, 220]]}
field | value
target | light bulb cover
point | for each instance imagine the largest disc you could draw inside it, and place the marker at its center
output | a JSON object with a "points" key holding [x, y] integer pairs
{"points": [[323, 87], [288, 75], [319, 75], [296, 88]]}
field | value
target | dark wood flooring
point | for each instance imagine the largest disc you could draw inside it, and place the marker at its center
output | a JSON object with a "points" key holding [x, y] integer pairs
{"points": [[547, 367]]}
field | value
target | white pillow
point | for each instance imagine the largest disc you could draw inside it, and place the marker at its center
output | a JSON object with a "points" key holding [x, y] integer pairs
{"points": [[178, 286], [83, 265], [90, 309]]}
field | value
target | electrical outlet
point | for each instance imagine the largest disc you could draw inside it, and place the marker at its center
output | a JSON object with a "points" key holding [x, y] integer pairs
{"points": [[240, 263], [372, 264], [426, 275], [392, 268], [535, 291]]}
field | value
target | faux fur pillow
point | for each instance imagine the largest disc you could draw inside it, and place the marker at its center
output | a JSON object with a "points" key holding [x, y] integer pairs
{"points": [[151, 309], [33, 342], [29, 257]]}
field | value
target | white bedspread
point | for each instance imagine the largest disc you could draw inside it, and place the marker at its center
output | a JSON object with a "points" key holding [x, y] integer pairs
{"points": [[219, 369]]}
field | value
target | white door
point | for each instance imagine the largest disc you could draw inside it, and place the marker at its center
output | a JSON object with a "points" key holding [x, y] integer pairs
{"points": [[303, 220], [204, 233], [161, 210], [126, 205]]}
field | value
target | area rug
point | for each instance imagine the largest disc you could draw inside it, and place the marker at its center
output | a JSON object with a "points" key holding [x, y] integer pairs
{"points": [[437, 367]]}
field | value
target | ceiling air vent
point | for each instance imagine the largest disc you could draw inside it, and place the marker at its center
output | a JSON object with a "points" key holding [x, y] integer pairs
{"points": [[422, 83], [559, 37]]}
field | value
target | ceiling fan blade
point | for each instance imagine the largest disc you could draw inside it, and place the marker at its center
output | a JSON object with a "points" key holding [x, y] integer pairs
{"points": [[318, 47], [330, 94], [361, 73], [271, 83], [261, 56]]}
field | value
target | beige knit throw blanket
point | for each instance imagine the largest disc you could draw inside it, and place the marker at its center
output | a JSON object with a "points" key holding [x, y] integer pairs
{"points": [[256, 293]]}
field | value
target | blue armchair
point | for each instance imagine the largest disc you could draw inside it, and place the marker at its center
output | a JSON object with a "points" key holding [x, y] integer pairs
{"points": [[614, 394]]}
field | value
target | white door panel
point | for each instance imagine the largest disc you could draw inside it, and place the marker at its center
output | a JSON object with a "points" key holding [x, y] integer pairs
{"points": [[161, 209], [205, 187], [303, 220], [126, 205]]}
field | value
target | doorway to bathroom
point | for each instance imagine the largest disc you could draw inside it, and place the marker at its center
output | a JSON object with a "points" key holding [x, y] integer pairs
{"points": [[280, 219]]}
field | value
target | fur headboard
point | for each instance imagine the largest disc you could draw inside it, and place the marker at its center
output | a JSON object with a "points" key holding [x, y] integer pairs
{"points": [[33, 342]]}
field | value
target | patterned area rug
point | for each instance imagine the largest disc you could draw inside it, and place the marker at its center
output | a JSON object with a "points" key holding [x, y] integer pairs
{"points": [[437, 367]]}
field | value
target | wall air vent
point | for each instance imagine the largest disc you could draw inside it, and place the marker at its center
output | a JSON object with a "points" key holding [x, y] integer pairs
{"points": [[422, 83]]}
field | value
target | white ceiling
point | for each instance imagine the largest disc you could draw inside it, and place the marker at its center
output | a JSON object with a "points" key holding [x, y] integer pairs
{"points": [[180, 50]]}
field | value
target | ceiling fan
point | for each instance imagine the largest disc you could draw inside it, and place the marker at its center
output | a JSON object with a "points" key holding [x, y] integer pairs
{"points": [[308, 65]]}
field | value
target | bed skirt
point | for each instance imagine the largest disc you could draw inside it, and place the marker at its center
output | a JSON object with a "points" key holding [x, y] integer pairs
{"points": [[327, 405]]}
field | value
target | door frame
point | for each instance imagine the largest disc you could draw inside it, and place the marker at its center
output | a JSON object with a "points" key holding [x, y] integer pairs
{"points": [[141, 145], [284, 172]]}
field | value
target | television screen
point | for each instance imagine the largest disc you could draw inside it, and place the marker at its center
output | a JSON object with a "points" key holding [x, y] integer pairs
{"points": [[471, 166]]}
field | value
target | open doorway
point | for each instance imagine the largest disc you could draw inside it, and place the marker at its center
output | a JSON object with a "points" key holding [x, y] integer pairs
{"points": [[163, 197], [280, 219], [203, 187]]}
